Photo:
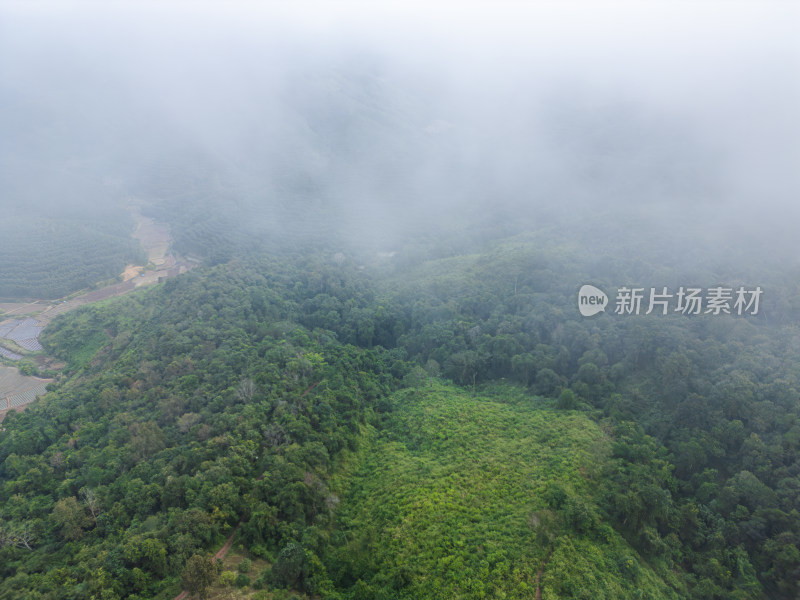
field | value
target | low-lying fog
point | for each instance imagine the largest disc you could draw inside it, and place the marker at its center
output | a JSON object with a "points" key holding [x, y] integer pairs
{"points": [[382, 117]]}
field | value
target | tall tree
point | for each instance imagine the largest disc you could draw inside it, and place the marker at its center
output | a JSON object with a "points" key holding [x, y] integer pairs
{"points": [[199, 575]]}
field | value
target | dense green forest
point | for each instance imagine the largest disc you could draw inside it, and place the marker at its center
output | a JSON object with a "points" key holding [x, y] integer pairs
{"points": [[449, 428]]}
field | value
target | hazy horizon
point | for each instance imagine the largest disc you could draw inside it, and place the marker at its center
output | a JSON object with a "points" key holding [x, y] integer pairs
{"points": [[379, 118]]}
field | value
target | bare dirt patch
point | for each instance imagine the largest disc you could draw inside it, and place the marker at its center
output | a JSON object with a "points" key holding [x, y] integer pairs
{"points": [[48, 363], [156, 240], [9, 309], [154, 237], [130, 272], [110, 291]]}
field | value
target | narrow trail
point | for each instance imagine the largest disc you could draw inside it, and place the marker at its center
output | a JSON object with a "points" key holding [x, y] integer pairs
{"points": [[538, 575], [221, 554], [310, 388]]}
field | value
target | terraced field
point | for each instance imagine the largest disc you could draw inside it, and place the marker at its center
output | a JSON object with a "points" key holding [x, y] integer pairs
{"points": [[17, 390], [19, 332], [6, 353], [23, 332]]}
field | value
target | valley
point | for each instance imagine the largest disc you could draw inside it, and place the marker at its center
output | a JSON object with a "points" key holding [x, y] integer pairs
{"points": [[22, 322]]}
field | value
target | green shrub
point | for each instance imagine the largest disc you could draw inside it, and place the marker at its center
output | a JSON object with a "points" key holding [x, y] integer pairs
{"points": [[227, 578], [245, 565]]}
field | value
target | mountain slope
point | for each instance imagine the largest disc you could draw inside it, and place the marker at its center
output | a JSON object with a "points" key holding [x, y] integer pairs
{"points": [[483, 496]]}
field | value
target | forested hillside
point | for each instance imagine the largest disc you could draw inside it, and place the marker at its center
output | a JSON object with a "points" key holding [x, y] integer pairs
{"points": [[302, 396], [201, 388], [365, 368]]}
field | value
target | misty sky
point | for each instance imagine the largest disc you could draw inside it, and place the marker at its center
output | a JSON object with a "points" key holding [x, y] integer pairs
{"points": [[401, 104]]}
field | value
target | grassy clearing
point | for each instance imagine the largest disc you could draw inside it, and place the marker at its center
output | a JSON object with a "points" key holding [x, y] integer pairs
{"points": [[454, 503], [228, 588]]}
